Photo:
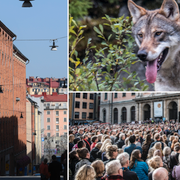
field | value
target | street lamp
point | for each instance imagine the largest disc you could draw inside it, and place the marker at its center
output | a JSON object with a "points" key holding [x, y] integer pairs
{"points": [[26, 3], [53, 46]]}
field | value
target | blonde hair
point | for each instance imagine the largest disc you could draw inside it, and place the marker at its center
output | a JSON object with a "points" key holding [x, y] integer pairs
{"points": [[155, 162], [98, 145], [120, 151], [104, 145], [71, 138], [158, 146], [109, 150], [166, 151], [86, 172], [98, 166], [150, 152]]}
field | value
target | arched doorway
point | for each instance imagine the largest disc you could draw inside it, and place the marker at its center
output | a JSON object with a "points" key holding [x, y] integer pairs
{"points": [[124, 115], [104, 115], [147, 112], [115, 116], [172, 110], [133, 113]]}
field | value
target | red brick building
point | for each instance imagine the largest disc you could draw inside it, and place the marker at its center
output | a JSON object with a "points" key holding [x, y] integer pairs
{"points": [[12, 104]]}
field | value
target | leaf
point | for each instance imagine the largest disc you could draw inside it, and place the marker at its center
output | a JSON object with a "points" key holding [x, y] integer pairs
{"points": [[97, 30], [101, 28], [89, 41], [109, 37], [81, 27]]}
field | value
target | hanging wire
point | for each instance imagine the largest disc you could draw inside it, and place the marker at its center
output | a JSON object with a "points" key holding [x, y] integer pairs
{"points": [[41, 39]]}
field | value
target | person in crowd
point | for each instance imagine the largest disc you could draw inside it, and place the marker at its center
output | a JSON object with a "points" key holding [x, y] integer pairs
{"points": [[71, 142], [132, 146], [137, 142], [154, 163], [127, 143], [43, 169], [160, 174], [166, 155], [73, 160], [76, 140], [88, 145], [86, 172], [84, 154], [120, 142], [124, 161], [138, 165], [113, 171], [94, 140], [55, 168], [157, 139], [95, 150], [98, 166], [111, 153], [175, 159], [103, 149], [80, 132], [171, 138], [81, 144], [146, 146]]}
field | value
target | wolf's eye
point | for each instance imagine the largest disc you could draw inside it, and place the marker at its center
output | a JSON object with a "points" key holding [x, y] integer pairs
{"points": [[158, 33], [140, 35]]}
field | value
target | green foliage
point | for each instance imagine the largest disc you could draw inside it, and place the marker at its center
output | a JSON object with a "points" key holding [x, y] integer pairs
{"points": [[79, 8], [108, 69]]}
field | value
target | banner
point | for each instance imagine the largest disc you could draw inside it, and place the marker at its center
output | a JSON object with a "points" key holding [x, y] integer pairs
{"points": [[158, 109]]}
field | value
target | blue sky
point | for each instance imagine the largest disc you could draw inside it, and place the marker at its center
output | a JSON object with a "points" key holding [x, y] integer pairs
{"points": [[47, 19]]}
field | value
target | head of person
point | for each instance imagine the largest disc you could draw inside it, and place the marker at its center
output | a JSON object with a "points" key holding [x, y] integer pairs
{"points": [[76, 140], [111, 151], [81, 131], [105, 143], [83, 153], [85, 136], [54, 157], [73, 155], [135, 155], [85, 172], [98, 166], [122, 136], [150, 153], [114, 168], [158, 153], [166, 151], [158, 145], [123, 159], [155, 162], [160, 174], [98, 145], [81, 144], [157, 137], [148, 138], [94, 139], [45, 161], [126, 141], [71, 138], [177, 147], [132, 139]]}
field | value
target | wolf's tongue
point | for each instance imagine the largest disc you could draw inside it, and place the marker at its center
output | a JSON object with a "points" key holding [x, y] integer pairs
{"points": [[151, 71]]}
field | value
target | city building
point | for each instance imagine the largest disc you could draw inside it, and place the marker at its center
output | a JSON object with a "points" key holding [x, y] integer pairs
{"points": [[83, 108], [36, 86], [118, 108], [12, 105]]}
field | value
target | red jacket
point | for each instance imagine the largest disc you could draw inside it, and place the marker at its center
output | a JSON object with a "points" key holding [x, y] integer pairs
{"points": [[43, 169], [92, 146]]}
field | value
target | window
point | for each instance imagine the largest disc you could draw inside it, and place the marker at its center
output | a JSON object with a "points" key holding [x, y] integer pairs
{"points": [[57, 134], [57, 127], [64, 112], [84, 95], [90, 115], [65, 126], [83, 115], [48, 112], [78, 95], [57, 90], [48, 104], [123, 94], [48, 127], [84, 105], [57, 104], [44, 90], [77, 104], [57, 113], [33, 90], [48, 134], [41, 90], [115, 95], [132, 94], [57, 120], [76, 114], [91, 96], [105, 96], [53, 90], [65, 119], [48, 119], [91, 105]]}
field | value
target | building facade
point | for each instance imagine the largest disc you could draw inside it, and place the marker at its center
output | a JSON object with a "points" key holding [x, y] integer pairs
{"points": [[12, 104], [36, 86]]}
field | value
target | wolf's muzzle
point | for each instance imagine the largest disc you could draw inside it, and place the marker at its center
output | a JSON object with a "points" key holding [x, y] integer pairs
{"points": [[142, 55]]}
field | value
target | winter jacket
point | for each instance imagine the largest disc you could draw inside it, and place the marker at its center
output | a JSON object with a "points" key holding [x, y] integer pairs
{"points": [[130, 149], [141, 169], [120, 143], [94, 152]]}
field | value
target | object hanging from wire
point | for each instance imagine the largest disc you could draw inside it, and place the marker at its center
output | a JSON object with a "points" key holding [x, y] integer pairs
{"points": [[53, 47], [21, 116], [26, 3]]}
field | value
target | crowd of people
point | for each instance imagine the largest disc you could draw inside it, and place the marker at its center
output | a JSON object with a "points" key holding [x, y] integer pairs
{"points": [[124, 152]]}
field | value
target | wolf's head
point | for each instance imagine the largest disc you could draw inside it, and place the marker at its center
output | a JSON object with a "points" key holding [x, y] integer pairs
{"points": [[157, 33]]}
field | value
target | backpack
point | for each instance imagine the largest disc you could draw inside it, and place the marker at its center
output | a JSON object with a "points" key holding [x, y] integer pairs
{"points": [[176, 172]]}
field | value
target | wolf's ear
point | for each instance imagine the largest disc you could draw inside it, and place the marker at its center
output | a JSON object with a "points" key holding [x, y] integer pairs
{"points": [[135, 10], [170, 9]]}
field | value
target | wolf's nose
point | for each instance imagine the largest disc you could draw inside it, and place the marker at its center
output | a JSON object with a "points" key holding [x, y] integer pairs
{"points": [[142, 55]]}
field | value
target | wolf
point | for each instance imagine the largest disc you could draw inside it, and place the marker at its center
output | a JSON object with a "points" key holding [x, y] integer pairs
{"points": [[157, 34]]}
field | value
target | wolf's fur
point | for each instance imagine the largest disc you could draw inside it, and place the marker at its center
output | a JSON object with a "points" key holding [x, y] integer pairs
{"points": [[146, 26]]}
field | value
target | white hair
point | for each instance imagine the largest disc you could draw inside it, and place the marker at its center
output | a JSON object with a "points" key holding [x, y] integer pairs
{"points": [[113, 167], [121, 135], [123, 158], [158, 174]]}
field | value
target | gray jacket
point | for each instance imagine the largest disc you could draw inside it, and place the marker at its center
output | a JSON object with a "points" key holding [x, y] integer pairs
{"points": [[81, 163]]}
